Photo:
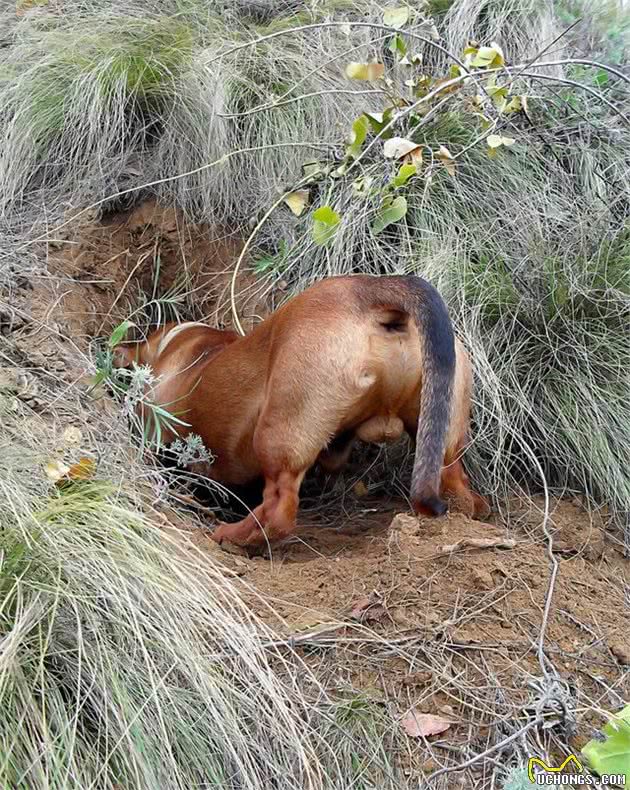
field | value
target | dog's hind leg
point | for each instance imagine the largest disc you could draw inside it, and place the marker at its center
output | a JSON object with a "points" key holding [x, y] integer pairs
{"points": [[302, 411], [456, 485]]}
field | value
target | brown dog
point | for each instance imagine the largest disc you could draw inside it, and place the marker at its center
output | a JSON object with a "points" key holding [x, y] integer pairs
{"points": [[351, 357]]}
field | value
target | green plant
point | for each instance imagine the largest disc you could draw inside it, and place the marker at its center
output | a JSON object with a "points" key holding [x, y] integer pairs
{"points": [[612, 755], [132, 387]]}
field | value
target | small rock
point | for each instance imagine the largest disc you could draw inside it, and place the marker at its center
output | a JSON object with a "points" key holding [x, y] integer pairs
{"points": [[37, 359], [483, 579], [400, 616], [404, 523], [232, 548], [621, 651]]}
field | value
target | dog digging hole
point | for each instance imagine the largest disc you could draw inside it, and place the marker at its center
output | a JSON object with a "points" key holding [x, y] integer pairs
{"points": [[373, 598]]}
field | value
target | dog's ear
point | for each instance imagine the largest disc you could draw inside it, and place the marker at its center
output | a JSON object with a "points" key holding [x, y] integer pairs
{"points": [[124, 354]]}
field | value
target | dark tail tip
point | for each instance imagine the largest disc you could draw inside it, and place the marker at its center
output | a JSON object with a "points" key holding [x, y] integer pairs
{"points": [[430, 506]]}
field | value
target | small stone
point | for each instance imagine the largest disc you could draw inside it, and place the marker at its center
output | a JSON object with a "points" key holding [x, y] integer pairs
{"points": [[37, 359], [483, 579], [621, 651], [404, 523], [399, 616]]}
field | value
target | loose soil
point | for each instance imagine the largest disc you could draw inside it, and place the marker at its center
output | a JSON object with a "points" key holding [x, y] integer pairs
{"points": [[442, 612]]}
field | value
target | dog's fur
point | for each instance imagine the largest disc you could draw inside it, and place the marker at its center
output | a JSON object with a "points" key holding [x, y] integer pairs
{"points": [[351, 357]]}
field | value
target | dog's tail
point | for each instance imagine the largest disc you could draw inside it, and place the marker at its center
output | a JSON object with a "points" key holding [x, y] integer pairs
{"points": [[424, 305]]}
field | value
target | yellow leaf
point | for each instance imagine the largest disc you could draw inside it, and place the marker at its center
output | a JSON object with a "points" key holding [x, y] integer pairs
{"points": [[514, 105], [397, 147], [55, 470], [365, 71], [360, 489], [83, 470], [500, 57], [297, 201], [496, 140], [446, 157], [415, 157], [489, 57]]}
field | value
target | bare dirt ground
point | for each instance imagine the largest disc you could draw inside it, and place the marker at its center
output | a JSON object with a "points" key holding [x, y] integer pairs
{"points": [[425, 592], [376, 600]]}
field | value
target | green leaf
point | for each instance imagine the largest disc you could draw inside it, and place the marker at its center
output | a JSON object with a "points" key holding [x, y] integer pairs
{"points": [[397, 45], [379, 120], [396, 17], [167, 416], [325, 225], [488, 57], [391, 211], [275, 262], [514, 105], [118, 335], [404, 174], [601, 78], [498, 96], [612, 756], [359, 132]]}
